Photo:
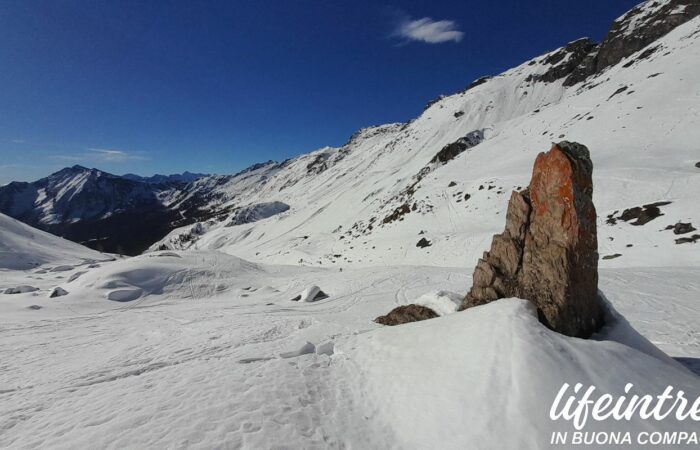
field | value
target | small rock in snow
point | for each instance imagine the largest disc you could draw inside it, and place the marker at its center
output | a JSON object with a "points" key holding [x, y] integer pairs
{"points": [[424, 243], [683, 228], [310, 294], [406, 314], [57, 292], [21, 289], [688, 240], [616, 255]]}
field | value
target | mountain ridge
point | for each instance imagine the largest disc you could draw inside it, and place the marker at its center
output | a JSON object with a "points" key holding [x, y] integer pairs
{"points": [[415, 152]]}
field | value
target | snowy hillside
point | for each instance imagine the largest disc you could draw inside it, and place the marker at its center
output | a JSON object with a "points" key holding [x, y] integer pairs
{"points": [[24, 247], [371, 201]]}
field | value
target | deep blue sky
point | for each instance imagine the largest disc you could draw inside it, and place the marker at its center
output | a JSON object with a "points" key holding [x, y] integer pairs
{"points": [[213, 86]]}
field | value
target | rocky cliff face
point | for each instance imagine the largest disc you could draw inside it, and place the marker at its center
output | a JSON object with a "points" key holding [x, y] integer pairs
{"points": [[630, 33], [548, 251]]}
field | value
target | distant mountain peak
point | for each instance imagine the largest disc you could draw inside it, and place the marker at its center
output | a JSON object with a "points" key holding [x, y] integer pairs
{"points": [[185, 177]]}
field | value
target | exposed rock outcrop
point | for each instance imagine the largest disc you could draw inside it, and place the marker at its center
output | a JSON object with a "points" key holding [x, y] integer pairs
{"points": [[406, 314], [450, 151], [688, 240], [565, 60], [57, 292], [683, 228], [548, 253], [632, 32], [639, 215], [423, 243]]}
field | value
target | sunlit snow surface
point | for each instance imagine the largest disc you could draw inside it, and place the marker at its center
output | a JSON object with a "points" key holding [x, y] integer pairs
{"points": [[213, 352]]}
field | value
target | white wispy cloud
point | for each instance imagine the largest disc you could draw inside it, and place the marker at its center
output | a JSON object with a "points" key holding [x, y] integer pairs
{"points": [[101, 155], [111, 155], [428, 30], [73, 158]]}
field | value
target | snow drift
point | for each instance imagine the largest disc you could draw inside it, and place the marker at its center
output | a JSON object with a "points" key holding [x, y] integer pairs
{"points": [[487, 377], [23, 247]]}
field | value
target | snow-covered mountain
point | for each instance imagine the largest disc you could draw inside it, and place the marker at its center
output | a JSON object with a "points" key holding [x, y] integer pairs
{"points": [[446, 176], [104, 211], [122, 214]]}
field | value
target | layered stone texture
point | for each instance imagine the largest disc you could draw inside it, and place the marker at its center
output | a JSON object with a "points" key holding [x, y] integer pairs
{"points": [[548, 253]]}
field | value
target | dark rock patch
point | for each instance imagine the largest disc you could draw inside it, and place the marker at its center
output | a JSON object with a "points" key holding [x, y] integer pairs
{"points": [[477, 82], [406, 314], [688, 240], [450, 151], [683, 228], [452, 184], [424, 243], [613, 256], [619, 91], [57, 292], [397, 214], [564, 61], [640, 215]]}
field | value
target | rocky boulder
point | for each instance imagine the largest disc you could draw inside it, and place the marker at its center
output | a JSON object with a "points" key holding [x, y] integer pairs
{"points": [[548, 253], [406, 314], [683, 228], [57, 292]]}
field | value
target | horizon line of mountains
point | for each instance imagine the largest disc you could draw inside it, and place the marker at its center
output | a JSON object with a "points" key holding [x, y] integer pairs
{"points": [[126, 214]]}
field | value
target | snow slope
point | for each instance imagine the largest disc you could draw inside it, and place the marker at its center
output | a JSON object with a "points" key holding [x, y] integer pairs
{"points": [[23, 247], [213, 353]]}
